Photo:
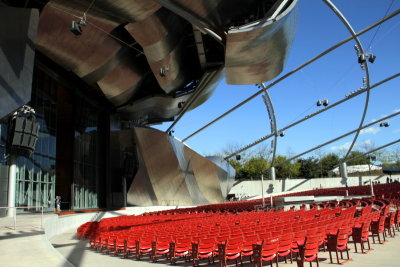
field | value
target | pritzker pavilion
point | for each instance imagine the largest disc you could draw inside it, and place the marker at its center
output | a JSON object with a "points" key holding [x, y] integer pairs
{"points": [[89, 176]]}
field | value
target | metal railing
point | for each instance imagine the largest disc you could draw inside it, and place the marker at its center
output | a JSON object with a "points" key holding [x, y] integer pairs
{"points": [[11, 213]]}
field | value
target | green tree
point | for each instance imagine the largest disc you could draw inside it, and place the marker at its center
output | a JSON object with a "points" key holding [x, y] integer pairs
{"points": [[287, 169], [253, 168], [309, 167], [328, 162], [358, 161]]}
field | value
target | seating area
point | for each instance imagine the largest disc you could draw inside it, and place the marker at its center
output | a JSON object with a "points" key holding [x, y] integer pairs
{"points": [[236, 234]]}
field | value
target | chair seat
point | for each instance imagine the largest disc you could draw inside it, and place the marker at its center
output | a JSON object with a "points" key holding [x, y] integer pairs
{"points": [[268, 257]]}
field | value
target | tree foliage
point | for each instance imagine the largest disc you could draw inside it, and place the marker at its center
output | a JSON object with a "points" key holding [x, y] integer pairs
{"points": [[287, 169], [309, 168], [327, 163], [358, 161], [253, 164]]}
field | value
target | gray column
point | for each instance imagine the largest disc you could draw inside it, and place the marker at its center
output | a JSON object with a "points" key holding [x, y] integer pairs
{"points": [[12, 173], [343, 172], [272, 173]]}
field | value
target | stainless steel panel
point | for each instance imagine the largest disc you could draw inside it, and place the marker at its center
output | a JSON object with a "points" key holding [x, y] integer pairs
{"points": [[187, 171], [206, 174], [127, 10], [161, 36], [257, 54], [161, 167], [253, 54], [218, 14], [81, 54], [171, 173], [121, 83], [166, 107], [227, 178]]}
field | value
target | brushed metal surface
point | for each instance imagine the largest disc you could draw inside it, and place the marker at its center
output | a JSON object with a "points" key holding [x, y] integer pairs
{"points": [[160, 36], [128, 10], [121, 83], [218, 14], [185, 165], [163, 30], [166, 107], [226, 181], [257, 54], [161, 166], [206, 174], [81, 54], [172, 173]]}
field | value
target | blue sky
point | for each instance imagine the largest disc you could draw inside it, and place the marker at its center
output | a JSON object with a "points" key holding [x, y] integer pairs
{"points": [[331, 77]]}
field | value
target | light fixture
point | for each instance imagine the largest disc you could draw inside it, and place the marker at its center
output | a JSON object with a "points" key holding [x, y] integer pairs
{"points": [[76, 25], [323, 102], [76, 28], [170, 133], [163, 71], [371, 58], [281, 134], [181, 104], [238, 157], [384, 124]]}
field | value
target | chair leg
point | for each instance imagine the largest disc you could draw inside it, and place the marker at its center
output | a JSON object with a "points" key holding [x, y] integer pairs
{"points": [[355, 246], [330, 256], [337, 256]]}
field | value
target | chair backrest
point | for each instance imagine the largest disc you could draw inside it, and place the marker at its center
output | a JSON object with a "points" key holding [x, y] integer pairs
{"points": [[270, 246], [312, 245]]}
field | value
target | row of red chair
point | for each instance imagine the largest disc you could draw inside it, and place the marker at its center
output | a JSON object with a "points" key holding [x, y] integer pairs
{"points": [[230, 236]]}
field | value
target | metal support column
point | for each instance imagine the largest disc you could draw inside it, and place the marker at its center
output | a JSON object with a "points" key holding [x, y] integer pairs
{"points": [[343, 172], [272, 173], [12, 173]]}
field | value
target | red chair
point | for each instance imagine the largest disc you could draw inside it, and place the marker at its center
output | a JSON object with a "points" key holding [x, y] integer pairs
{"points": [[119, 245], [377, 228], [247, 248], [230, 250], [298, 239], [160, 247], [361, 235], [338, 243], [397, 220], [285, 247], [311, 249], [267, 251], [205, 248], [144, 246], [180, 249], [130, 245], [390, 224]]}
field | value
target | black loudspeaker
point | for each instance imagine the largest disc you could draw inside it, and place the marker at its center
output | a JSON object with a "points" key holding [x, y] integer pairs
{"points": [[24, 136]]}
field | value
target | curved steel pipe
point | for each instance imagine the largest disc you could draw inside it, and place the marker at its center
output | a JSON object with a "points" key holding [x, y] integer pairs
{"points": [[336, 139], [312, 115], [365, 63], [373, 150], [395, 13], [272, 117]]}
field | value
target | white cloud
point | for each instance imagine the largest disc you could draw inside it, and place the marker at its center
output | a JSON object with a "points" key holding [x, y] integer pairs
{"points": [[396, 131], [370, 130], [346, 145], [342, 147], [396, 110]]}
